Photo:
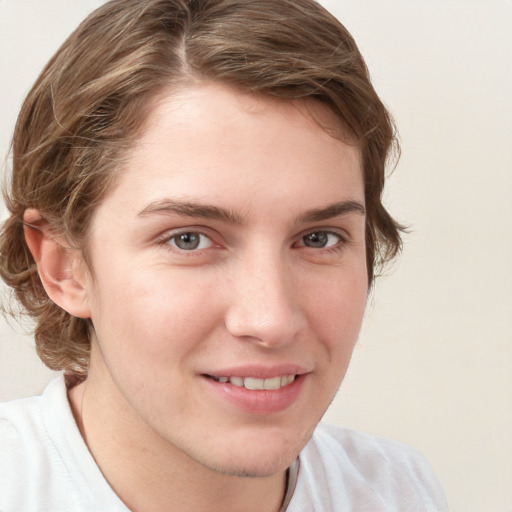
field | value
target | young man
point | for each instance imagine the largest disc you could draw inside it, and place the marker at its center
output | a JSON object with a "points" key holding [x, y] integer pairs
{"points": [[195, 222]]}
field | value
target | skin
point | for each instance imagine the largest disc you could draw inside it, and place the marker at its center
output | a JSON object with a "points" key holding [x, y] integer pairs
{"points": [[278, 279]]}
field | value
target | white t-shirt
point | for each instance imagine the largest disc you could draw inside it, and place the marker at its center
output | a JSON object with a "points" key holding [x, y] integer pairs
{"points": [[45, 466]]}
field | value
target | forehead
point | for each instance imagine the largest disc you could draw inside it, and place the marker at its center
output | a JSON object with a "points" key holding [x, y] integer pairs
{"points": [[216, 142]]}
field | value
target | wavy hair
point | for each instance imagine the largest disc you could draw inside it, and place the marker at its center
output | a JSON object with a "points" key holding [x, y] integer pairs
{"points": [[90, 101]]}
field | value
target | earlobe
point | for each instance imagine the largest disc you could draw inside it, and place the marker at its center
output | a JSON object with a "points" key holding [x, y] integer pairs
{"points": [[58, 266]]}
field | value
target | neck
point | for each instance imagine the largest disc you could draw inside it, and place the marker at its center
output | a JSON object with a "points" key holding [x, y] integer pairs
{"points": [[150, 474]]}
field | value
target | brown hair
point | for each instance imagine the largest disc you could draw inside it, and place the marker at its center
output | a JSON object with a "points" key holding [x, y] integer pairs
{"points": [[91, 99]]}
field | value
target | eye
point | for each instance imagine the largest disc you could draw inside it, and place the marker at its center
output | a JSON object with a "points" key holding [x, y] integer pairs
{"points": [[320, 239], [190, 241]]}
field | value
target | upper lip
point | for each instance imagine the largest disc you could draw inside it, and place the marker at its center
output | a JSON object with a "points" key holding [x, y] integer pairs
{"points": [[258, 371]]}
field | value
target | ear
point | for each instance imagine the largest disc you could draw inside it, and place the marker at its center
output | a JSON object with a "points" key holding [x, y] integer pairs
{"points": [[60, 268]]}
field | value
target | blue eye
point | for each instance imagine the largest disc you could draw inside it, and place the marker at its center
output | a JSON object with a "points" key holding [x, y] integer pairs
{"points": [[190, 241], [320, 239]]}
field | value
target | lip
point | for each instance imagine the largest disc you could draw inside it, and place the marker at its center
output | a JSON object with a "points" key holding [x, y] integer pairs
{"points": [[259, 372], [258, 402]]}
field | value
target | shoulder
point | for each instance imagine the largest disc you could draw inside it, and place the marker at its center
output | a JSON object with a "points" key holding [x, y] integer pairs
{"points": [[365, 451], [369, 472], [21, 426], [44, 462], [26, 418], [24, 444]]}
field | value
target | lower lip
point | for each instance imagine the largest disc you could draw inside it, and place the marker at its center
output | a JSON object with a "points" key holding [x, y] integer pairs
{"points": [[267, 401]]}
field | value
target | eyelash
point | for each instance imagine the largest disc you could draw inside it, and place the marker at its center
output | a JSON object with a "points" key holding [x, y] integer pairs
{"points": [[168, 239], [334, 247]]}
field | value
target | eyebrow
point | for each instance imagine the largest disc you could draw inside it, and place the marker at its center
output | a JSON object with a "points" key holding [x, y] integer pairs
{"points": [[331, 211], [189, 209], [205, 211]]}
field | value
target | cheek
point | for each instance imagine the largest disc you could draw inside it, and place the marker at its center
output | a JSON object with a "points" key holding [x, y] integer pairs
{"points": [[337, 313], [152, 312]]}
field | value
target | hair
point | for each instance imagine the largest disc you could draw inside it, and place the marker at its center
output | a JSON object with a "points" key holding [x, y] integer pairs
{"points": [[90, 102]]}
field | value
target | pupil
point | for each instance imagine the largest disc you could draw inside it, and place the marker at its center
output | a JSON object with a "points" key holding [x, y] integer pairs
{"points": [[316, 239], [188, 241]]}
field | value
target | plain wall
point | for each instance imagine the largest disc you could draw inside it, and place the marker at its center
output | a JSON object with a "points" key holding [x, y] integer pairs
{"points": [[433, 367]]}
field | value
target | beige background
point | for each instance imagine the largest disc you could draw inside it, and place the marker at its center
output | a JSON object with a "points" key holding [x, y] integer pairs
{"points": [[434, 364]]}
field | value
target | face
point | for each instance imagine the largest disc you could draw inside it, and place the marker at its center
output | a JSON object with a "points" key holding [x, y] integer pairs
{"points": [[229, 278]]}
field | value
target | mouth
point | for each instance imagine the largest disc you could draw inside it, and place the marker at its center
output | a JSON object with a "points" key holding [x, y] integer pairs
{"points": [[256, 389], [254, 383]]}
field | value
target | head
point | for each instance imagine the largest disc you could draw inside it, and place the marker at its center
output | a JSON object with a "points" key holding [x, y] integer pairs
{"points": [[91, 103]]}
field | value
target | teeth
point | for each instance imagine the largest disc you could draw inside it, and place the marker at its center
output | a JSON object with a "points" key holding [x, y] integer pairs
{"points": [[258, 384], [237, 381], [287, 379], [251, 383], [274, 383]]}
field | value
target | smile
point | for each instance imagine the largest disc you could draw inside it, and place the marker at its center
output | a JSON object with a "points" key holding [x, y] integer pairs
{"points": [[253, 383]]}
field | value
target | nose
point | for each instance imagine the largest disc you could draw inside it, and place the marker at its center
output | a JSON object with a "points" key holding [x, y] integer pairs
{"points": [[264, 304]]}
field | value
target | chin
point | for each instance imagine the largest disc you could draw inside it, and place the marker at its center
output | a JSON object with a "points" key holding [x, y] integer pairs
{"points": [[262, 456], [258, 467]]}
